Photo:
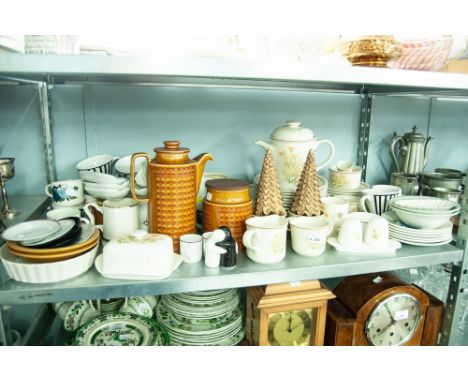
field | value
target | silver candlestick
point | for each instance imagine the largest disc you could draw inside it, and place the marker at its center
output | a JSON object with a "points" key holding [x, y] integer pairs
{"points": [[7, 171]]}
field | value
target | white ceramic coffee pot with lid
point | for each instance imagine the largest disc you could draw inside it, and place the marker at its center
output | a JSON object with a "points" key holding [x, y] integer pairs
{"points": [[290, 145]]}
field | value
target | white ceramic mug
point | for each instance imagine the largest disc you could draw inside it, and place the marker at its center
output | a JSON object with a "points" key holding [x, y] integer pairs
{"points": [[120, 217], [65, 193], [191, 247], [309, 234], [377, 232], [376, 200], [265, 238], [336, 209], [66, 212], [98, 163], [350, 234]]}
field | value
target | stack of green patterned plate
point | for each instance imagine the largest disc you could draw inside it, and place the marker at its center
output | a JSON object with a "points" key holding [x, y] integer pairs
{"points": [[121, 329], [202, 318]]}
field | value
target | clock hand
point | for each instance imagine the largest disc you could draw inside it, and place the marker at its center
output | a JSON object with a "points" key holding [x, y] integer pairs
{"points": [[290, 322], [301, 324], [390, 314]]}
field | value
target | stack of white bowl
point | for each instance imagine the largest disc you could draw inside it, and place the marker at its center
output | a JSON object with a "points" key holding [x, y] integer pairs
{"points": [[104, 186], [424, 212]]}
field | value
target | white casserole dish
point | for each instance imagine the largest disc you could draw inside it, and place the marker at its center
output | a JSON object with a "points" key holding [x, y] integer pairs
{"points": [[22, 270]]}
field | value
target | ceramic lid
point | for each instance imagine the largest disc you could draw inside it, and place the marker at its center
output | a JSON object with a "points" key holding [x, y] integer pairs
{"points": [[414, 135], [172, 147], [172, 154], [293, 131], [227, 184]]}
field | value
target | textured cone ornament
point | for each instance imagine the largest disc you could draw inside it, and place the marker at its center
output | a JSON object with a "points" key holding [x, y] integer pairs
{"points": [[307, 200], [269, 201]]}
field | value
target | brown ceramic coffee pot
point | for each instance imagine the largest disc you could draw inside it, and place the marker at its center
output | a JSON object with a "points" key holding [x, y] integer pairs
{"points": [[173, 182]]}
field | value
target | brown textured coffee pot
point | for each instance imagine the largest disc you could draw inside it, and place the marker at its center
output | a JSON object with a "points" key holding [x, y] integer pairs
{"points": [[173, 182], [227, 203]]}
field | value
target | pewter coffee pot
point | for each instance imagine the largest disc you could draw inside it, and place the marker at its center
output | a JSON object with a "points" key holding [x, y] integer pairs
{"points": [[412, 156]]}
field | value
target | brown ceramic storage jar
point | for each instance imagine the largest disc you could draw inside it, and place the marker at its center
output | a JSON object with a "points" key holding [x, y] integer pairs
{"points": [[227, 203]]}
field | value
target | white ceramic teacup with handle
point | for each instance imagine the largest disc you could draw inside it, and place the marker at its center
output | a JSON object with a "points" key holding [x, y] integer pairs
{"points": [[376, 200], [120, 217], [309, 234], [66, 193], [265, 238]]}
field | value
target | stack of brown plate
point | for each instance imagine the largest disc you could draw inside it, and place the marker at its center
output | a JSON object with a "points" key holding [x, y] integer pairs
{"points": [[89, 238]]}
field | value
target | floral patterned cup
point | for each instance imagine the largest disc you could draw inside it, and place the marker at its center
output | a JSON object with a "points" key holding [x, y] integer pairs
{"points": [[66, 193], [265, 238]]}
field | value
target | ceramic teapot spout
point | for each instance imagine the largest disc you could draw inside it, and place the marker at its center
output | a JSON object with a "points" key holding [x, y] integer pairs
{"points": [[201, 162], [266, 146]]}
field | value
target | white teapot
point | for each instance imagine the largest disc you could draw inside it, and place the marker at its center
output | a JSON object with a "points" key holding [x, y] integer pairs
{"points": [[290, 145]]}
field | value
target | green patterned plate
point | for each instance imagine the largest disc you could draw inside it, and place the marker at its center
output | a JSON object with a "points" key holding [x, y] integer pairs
{"points": [[121, 329]]}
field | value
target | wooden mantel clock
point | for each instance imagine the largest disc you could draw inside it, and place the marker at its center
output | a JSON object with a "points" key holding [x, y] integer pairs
{"points": [[289, 314], [380, 309]]}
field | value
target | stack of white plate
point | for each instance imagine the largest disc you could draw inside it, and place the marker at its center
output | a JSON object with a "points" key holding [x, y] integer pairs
{"points": [[202, 318], [424, 211], [348, 191], [419, 237]]}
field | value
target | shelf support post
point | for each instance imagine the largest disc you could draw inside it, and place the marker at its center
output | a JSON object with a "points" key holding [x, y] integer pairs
{"points": [[364, 130], [451, 333], [44, 103]]}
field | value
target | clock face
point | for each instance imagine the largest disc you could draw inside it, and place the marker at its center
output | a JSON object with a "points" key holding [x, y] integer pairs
{"points": [[290, 328], [393, 321]]}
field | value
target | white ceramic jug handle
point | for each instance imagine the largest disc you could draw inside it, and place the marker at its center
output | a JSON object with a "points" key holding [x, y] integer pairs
{"points": [[331, 154], [88, 212], [47, 190], [248, 236], [363, 202]]}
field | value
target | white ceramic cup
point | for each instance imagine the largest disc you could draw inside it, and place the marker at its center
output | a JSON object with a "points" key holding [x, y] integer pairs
{"points": [[376, 200], [98, 163], [65, 193], [265, 238], [191, 247], [350, 234], [120, 217], [309, 234], [66, 212], [376, 233], [346, 180], [336, 209], [79, 313], [353, 202]]}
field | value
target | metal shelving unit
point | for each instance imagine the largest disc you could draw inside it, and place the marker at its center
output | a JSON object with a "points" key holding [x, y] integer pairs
{"points": [[47, 70]]}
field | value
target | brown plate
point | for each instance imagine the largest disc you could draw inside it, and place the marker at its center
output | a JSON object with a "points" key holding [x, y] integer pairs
{"points": [[16, 248], [49, 258]]}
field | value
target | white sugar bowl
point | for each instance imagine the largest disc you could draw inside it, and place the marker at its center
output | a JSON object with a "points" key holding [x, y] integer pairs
{"points": [[139, 253]]}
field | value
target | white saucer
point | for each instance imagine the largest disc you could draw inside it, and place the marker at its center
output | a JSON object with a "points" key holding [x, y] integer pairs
{"points": [[364, 248], [98, 265], [33, 230], [419, 244]]}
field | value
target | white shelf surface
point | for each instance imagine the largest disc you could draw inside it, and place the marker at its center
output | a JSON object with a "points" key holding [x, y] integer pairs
{"points": [[224, 72], [196, 277]]}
